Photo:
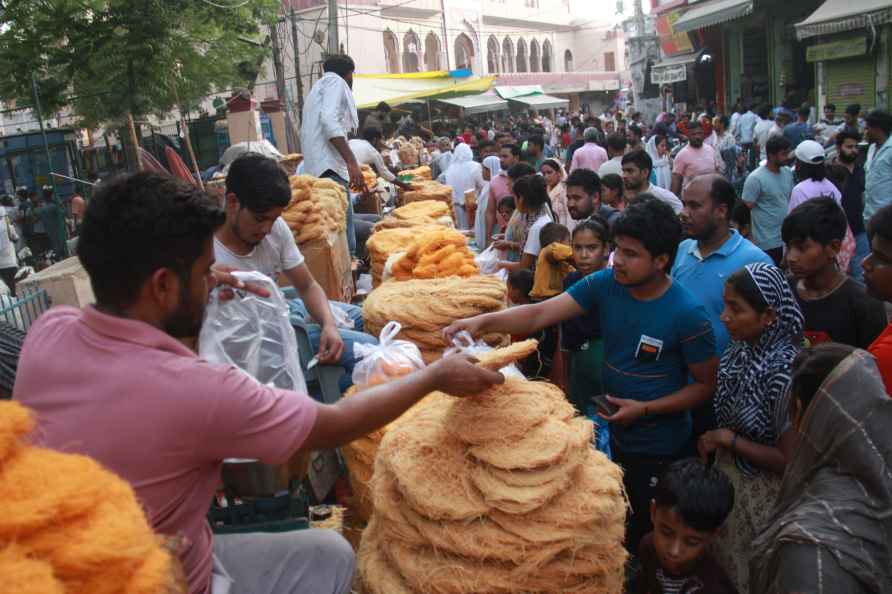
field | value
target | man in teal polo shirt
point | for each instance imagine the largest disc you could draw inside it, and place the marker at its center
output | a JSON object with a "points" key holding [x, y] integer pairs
{"points": [[713, 251]]}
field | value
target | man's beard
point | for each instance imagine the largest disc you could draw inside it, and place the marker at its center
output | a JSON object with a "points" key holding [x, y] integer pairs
{"points": [[847, 158], [696, 143], [579, 215], [187, 320]]}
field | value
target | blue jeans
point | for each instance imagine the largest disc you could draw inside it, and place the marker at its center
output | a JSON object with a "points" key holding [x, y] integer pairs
{"points": [[862, 250], [350, 337], [351, 230]]}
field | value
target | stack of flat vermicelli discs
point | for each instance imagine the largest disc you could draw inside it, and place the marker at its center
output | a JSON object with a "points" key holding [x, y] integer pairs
{"points": [[424, 307], [499, 493]]}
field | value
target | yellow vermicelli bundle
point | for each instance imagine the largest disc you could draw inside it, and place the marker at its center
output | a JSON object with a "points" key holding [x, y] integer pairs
{"points": [[428, 190], [418, 174], [369, 177], [424, 307], [495, 494], [71, 526], [424, 208], [436, 254], [318, 207], [386, 241]]}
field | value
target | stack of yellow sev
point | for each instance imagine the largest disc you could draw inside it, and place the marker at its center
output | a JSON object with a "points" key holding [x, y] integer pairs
{"points": [[318, 207]]}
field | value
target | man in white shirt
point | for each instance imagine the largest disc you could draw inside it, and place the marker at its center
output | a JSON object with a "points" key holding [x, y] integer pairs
{"points": [[636, 169], [441, 162], [9, 263], [329, 114], [367, 151], [255, 237], [762, 131], [616, 148], [746, 127]]}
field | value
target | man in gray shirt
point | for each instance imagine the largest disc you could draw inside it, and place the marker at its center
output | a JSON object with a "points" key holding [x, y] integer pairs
{"points": [[766, 192]]}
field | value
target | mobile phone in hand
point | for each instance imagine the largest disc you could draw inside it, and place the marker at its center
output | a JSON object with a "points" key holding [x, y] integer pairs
{"points": [[605, 407]]}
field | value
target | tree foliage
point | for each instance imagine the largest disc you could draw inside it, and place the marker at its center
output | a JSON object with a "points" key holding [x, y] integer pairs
{"points": [[105, 58]]}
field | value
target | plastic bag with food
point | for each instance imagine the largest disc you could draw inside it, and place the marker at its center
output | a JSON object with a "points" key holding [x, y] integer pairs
{"points": [[389, 359], [463, 342], [488, 263], [254, 334]]}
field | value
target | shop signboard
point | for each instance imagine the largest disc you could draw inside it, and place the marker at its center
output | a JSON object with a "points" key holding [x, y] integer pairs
{"points": [[671, 42], [837, 50], [664, 75], [851, 89]]}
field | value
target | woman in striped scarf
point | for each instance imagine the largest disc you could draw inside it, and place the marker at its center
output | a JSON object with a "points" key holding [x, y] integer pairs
{"points": [[754, 438]]}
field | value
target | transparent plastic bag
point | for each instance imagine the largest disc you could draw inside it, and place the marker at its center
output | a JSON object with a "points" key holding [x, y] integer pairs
{"points": [[389, 359], [488, 263], [463, 342], [254, 334]]}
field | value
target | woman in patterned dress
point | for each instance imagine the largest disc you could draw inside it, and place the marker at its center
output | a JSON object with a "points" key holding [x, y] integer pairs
{"points": [[754, 439]]}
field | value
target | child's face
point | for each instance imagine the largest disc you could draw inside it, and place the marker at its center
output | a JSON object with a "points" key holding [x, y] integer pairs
{"points": [[678, 546], [506, 212], [516, 296], [589, 253], [744, 230], [807, 257]]}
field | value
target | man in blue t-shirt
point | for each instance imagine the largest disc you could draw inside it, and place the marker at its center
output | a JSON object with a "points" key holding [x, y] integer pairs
{"points": [[656, 336], [713, 251]]}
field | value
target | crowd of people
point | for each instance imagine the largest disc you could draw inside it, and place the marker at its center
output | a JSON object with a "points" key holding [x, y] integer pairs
{"points": [[692, 284], [720, 315]]}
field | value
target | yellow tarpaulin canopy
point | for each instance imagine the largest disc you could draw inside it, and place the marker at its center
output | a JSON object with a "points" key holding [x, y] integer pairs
{"points": [[371, 89]]}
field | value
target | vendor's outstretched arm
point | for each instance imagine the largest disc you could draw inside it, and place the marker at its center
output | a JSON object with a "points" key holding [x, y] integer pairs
{"points": [[522, 320], [374, 407]]}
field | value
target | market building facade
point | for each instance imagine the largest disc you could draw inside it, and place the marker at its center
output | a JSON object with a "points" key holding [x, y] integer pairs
{"points": [[762, 51]]}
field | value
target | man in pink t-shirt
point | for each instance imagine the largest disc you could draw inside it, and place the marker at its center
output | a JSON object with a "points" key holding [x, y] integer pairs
{"points": [[114, 382], [590, 155], [693, 160]]}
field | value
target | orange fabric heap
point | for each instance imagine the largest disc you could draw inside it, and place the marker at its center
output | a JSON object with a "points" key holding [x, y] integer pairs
{"points": [[70, 526]]}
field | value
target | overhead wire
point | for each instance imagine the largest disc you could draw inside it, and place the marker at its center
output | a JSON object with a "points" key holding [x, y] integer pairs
{"points": [[227, 6]]}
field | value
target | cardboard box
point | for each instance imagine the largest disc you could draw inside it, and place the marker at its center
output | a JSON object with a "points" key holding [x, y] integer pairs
{"points": [[65, 282], [329, 261]]}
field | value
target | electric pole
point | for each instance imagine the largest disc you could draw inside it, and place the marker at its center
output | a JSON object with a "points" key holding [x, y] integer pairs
{"points": [[280, 83], [333, 45], [298, 77], [445, 33]]}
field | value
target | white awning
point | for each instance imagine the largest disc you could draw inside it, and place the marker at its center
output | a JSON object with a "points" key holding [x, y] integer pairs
{"points": [[474, 104], [542, 101], [672, 70], [838, 16], [712, 13]]}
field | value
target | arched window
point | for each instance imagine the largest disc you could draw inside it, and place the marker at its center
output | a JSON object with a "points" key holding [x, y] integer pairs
{"points": [[534, 56], [492, 55], [391, 54], [507, 55], [568, 61], [521, 55], [432, 52], [546, 56], [464, 52], [411, 49]]}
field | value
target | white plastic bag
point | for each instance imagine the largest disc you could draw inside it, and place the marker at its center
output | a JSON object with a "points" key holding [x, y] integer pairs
{"points": [[463, 342], [389, 359], [488, 262], [254, 334]]}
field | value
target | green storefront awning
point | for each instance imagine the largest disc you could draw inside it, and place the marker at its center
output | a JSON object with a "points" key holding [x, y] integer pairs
{"points": [[837, 50], [712, 13], [839, 16]]}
